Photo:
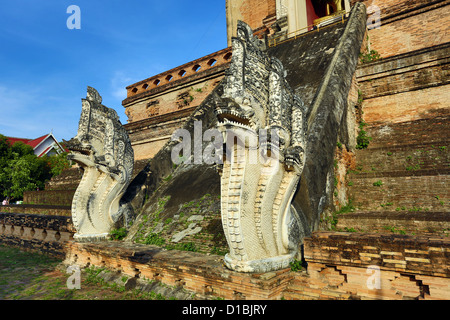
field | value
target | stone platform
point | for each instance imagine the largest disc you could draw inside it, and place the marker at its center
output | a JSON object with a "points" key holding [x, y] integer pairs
{"points": [[199, 273], [341, 265]]}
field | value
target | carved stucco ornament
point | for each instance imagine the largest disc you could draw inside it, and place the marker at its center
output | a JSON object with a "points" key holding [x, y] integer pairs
{"points": [[103, 151], [262, 228]]}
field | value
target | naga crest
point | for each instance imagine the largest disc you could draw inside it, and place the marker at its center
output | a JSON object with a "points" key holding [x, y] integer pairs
{"points": [[103, 150], [259, 113]]}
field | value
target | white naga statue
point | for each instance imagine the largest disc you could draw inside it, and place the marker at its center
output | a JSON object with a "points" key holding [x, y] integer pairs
{"points": [[263, 124], [103, 151]]}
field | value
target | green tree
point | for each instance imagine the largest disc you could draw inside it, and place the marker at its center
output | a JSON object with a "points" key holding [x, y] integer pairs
{"points": [[5, 151], [21, 170], [24, 173], [5, 157], [20, 149], [58, 163]]}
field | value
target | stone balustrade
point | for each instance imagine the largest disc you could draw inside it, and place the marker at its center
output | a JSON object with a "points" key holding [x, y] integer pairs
{"points": [[44, 233], [185, 71]]}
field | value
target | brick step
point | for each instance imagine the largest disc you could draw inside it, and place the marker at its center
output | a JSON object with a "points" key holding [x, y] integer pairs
{"points": [[60, 187], [296, 289], [68, 179], [435, 131], [423, 159], [37, 209], [403, 222], [293, 295], [315, 289], [300, 294], [422, 193], [353, 175], [49, 197]]}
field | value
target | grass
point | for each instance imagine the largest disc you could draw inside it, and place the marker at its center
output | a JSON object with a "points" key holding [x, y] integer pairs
{"points": [[157, 227], [33, 276], [362, 140], [20, 269], [349, 207], [296, 265], [378, 183], [118, 234]]}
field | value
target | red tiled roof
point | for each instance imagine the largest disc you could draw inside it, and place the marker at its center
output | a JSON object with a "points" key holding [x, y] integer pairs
{"points": [[34, 143], [13, 140]]}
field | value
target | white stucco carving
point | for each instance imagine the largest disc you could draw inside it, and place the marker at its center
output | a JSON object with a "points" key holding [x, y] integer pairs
{"points": [[103, 150]]}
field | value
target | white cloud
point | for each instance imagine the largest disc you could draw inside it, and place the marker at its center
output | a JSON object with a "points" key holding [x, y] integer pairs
{"points": [[118, 84]]}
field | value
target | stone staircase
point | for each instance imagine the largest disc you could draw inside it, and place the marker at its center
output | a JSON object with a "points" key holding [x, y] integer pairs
{"points": [[401, 181], [58, 191], [54, 200]]}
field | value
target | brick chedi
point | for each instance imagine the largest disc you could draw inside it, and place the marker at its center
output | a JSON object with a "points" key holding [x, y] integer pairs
{"points": [[374, 186], [159, 105], [399, 183]]}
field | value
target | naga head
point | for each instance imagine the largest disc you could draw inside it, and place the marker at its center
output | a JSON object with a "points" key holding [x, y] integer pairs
{"points": [[94, 144], [258, 101], [235, 113]]}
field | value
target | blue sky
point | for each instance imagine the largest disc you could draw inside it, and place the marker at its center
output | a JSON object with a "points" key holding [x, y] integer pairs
{"points": [[45, 67]]}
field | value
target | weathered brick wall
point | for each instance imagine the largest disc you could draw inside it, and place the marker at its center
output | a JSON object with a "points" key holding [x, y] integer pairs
{"points": [[406, 72], [408, 268], [255, 11], [431, 157], [159, 105], [421, 255], [409, 25], [338, 263], [38, 209], [199, 273], [407, 87], [408, 162], [149, 136], [400, 182], [343, 265], [401, 222], [49, 197], [188, 72], [187, 96], [258, 14], [392, 8], [66, 180], [413, 32], [329, 282], [396, 192]]}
